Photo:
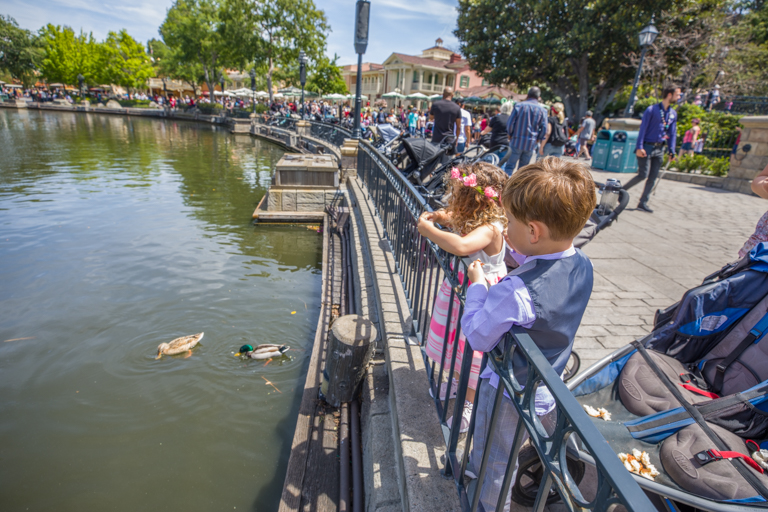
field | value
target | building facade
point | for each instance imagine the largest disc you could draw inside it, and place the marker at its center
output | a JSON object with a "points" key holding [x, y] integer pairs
{"points": [[429, 73]]}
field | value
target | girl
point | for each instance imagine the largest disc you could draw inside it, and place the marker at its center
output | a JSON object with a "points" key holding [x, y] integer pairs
{"points": [[477, 222], [690, 138]]}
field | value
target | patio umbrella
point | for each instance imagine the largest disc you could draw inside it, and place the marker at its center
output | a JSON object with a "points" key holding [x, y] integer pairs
{"points": [[393, 94], [334, 97], [492, 100], [473, 100], [435, 97], [352, 96], [417, 96], [290, 92]]}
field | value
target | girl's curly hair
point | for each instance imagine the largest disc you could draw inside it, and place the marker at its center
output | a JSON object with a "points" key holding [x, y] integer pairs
{"points": [[469, 208]]}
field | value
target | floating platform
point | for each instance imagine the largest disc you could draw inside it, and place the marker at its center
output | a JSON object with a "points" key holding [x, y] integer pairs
{"points": [[262, 215]]}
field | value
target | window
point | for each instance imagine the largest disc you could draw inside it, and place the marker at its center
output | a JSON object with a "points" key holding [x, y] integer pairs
{"points": [[415, 77], [449, 81], [485, 82], [464, 82]]}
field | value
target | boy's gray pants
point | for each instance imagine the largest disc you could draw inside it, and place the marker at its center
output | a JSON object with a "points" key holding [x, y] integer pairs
{"points": [[501, 443]]}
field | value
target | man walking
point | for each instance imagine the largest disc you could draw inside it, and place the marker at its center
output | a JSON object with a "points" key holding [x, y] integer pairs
{"points": [[463, 137], [585, 132], [446, 115], [658, 130], [527, 127]]}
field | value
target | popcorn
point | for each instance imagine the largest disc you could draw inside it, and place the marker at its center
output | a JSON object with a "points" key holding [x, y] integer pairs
{"points": [[597, 413], [639, 463]]}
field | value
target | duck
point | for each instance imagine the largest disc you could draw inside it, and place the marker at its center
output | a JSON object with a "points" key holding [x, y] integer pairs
{"points": [[265, 351], [179, 345]]}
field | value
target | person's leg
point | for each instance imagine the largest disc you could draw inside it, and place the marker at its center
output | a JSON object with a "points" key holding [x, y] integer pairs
{"points": [[642, 170], [525, 158], [514, 156], [460, 147], [656, 158]]}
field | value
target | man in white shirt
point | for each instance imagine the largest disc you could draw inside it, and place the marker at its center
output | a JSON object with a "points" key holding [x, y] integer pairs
{"points": [[466, 127]]}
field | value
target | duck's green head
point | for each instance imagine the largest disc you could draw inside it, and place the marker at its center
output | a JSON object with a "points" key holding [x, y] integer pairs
{"points": [[244, 350]]}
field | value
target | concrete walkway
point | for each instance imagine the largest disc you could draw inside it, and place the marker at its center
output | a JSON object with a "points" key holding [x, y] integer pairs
{"points": [[647, 261]]}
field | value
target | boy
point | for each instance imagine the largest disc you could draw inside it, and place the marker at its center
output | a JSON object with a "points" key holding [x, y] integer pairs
{"points": [[547, 203]]}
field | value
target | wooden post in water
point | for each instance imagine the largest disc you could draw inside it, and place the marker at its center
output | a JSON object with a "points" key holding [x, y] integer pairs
{"points": [[349, 349]]}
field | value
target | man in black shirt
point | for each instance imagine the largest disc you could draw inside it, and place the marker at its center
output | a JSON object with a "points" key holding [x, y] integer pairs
{"points": [[446, 115]]}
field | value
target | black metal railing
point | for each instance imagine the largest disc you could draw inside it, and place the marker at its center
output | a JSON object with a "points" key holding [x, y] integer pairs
{"points": [[329, 132], [423, 267]]}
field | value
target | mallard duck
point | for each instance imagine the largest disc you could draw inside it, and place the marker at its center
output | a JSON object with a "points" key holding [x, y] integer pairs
{"points": [[179, 345], [265, 351]]}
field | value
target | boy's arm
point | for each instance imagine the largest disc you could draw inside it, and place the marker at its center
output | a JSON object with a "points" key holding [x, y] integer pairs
{"points": [[490, 313]]}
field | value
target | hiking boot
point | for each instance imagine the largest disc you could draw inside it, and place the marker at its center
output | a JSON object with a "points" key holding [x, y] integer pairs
{"points": [[644, 207], [444, 387]]}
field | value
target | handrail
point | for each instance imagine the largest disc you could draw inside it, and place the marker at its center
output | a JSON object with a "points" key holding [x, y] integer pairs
{"points": [[422, 267]]}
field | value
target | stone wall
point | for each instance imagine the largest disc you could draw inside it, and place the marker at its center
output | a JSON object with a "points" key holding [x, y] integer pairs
{"points": [[752, 154]]}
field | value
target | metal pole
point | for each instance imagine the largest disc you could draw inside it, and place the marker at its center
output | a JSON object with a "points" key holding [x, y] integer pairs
{"points": [[302, 100], [629, 110], [358, 97]]}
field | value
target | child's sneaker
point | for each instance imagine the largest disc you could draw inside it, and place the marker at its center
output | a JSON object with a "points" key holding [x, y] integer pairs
{"points": [[444, 386], [466, 415]]}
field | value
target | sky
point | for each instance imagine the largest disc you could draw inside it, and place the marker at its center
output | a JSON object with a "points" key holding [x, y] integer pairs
{"points": [[404, 26]]}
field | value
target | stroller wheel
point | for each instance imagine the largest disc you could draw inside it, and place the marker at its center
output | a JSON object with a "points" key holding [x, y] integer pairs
{"points": [[572, 366], [530, 473]]}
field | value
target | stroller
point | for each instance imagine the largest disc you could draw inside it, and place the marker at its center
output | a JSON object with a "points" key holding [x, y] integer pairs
{"points": [[691, 397]]}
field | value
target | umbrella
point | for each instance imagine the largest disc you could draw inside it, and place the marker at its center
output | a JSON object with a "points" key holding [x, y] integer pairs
{"points": [[393, 94], [435, 97], [417, 96], [492, 100], [352, 96], [290, 91], [473, 100], [334, 97]]}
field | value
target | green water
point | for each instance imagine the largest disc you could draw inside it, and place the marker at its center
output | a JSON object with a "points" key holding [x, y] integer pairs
{"points": [[117, 234]]}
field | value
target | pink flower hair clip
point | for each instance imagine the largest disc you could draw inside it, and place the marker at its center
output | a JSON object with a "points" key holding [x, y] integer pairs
{"points": [[470, 180]]}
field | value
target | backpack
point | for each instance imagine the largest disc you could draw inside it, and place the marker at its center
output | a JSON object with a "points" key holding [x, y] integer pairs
{"points": [[558, 137]]}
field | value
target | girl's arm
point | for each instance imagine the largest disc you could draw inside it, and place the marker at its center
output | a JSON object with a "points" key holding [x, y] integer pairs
{"points": [[474, 241]]}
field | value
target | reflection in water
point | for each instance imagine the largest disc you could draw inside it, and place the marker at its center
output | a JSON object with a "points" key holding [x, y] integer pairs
{"points": [[118, 234]]}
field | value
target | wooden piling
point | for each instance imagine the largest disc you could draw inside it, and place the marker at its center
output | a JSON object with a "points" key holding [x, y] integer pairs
{"points": [[350, 347]]}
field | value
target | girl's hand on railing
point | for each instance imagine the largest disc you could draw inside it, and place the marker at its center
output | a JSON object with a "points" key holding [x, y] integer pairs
{"points": [[426, 223]]}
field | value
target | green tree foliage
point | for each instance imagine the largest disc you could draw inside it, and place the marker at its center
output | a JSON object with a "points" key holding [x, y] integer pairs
{"points": [[193, 31], [127, 63], [576, 47], [171, 64], [271, 32], [68, 54], [19, 50], [326, 77]]}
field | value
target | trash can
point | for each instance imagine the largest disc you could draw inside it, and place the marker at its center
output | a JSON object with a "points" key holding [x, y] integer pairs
{"points": [[601, 148], [622, 156]]}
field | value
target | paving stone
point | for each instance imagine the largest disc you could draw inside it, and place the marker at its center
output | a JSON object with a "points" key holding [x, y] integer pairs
{"points": [[630, 330], [628, 320], [616, 341], [632, 295], [592, 330], [602, 296]]}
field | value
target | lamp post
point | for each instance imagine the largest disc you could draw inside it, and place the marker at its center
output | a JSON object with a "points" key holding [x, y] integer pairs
{"points": [[362, 15], [165, 91], [253, 89], [302, 77], [81, 79], [221, 81], [647, 36]]}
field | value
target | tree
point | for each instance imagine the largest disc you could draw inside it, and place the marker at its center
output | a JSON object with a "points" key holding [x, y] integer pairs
{"points": [[19, 50], [170, 64], [326, 77], [127, 62], [192, 30], [67, 55], [576, 47], [272, 32]]}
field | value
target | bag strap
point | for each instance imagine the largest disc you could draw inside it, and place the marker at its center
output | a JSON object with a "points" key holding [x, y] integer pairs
{"points": [[713, 455], [694, 389], [755, 334]]}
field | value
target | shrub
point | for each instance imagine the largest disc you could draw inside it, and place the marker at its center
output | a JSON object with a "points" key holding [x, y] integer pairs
{"points": [[698, 162], [134, 103], [643, 103], [261, 108], [209, 108]]}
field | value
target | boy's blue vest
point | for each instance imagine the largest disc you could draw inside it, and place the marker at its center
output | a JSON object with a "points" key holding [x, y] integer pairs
{"points": [[560, 291]]}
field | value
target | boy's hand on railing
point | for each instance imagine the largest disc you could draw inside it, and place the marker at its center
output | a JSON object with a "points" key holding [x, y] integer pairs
{"points": [[475, 272]]}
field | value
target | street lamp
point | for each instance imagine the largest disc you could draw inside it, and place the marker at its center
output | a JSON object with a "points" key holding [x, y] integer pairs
{"points": [[362, 15], [81, 79], [302, 77], [221, 81], [165, 91], [253, 89], [647, 36]]}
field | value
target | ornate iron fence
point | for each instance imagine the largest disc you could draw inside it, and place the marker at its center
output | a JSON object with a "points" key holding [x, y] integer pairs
{"points": [[422, 267]]}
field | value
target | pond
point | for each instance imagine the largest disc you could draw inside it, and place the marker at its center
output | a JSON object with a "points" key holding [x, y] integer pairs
{"points": [[118, 234]]}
